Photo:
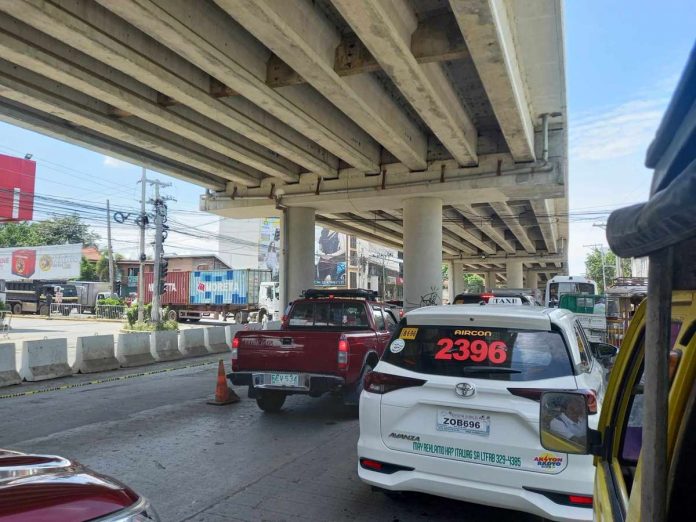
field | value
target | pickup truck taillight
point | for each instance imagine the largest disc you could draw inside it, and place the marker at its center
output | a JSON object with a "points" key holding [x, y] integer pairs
{"points": [[381, 383], [343, 353], [235, 351]]}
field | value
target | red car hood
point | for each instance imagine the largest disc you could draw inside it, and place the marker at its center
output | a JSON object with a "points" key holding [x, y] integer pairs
{"points": [[46, 488]]}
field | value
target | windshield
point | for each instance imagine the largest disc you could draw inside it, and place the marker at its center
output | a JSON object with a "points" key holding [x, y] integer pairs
{"points": [[337, 314], [489, 353]]}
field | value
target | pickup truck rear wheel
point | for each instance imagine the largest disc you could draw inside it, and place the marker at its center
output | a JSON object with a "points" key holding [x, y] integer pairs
{"points": [[271, 401], [352, 398]]}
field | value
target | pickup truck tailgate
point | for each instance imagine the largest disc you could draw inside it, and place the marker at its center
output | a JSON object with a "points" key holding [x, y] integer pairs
{"points": [[306, 351]]}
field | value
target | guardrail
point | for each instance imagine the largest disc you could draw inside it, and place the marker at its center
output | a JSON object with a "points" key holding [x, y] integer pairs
{"points": [[100, 311]]}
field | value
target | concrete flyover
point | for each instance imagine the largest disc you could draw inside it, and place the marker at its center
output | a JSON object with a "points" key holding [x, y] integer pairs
{"points": [[435, 127]]}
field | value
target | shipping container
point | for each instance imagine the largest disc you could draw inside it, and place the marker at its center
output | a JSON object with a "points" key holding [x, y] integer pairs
{"points": [[220, 287], [176, 285]]}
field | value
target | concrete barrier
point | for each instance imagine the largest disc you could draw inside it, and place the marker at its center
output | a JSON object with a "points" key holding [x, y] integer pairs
{"points": [[8, 365], [215, 339], [133, 349], [164, 345], [192, 342], [95, 354], [45, 359]]}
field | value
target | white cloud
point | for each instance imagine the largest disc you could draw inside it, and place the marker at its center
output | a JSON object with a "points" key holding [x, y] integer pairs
{"points": [[616, 132], [115, 163]]}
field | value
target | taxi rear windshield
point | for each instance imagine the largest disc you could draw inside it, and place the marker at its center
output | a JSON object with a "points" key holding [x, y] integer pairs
{"points": [[486, 353], [343, 315]]}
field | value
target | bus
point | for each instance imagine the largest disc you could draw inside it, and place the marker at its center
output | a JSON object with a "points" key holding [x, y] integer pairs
{"points": [[558, 286]]}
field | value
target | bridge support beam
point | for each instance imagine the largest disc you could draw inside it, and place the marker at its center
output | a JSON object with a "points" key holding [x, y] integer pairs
{"points": [[532, 279], [422, 252], [297, 261], [490, 280]]}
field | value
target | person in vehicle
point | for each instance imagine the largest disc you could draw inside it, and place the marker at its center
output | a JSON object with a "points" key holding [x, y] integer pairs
{"points": [[570, 424]]}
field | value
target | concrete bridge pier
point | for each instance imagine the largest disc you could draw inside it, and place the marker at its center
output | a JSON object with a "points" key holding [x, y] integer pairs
{"points": [[422, 252]]}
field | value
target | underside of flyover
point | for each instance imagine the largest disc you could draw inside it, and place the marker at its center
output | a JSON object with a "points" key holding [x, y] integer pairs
{"points": [[431, 126]]}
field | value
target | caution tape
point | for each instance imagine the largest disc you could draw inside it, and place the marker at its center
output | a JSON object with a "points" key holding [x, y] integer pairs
{"points": [[102, 381]]}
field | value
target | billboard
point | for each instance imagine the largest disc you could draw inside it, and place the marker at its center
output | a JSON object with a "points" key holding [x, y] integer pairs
{"points": [[329, 253], [269, 246], [330, 257], [41, 262], [17, 177]]}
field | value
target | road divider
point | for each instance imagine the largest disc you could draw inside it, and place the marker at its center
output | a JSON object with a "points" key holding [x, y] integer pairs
{"points": [[45, 359], [164, 345], [192, 342], [133, 349], [8, 365], [215, 339], [95, 354]]}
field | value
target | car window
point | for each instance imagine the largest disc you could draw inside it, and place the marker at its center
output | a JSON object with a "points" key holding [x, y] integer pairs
{"points": [[468, 299], [489, 353], [379, 318], [583, 346], [390, 320], [339, 315]]}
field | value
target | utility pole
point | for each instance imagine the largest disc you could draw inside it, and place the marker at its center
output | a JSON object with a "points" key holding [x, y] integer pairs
{"points": [[141, 271], [160, 218], [109, 248]]}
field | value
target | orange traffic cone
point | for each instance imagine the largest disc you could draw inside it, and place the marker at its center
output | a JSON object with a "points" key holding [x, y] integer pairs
{"points": [[223, 394]]}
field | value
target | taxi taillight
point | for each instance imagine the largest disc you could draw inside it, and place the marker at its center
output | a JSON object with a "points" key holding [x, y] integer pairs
{"points": [[343, 348], [381, 383]]}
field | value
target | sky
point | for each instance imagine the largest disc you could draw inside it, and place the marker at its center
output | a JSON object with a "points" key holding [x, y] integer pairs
{"points": [[623, 60]]}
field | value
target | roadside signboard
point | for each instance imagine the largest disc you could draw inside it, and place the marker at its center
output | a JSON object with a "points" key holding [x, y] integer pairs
{"points": [[17, 178], [41, 262]]}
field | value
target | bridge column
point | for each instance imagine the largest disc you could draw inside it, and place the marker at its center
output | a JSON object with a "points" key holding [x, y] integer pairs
{"points": [[490, 280], [456, 279], [297, 261], [514, 272], [532, 279], [422, 251]]}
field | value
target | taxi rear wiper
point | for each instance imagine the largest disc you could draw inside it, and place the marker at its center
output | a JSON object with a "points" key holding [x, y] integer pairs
{"points": [[493, 369]]}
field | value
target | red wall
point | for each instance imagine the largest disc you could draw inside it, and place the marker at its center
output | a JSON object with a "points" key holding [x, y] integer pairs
{"points": [[16, 173]]}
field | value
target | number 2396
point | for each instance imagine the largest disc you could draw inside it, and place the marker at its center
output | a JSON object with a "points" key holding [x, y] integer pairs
{"points": [[477, 350]]}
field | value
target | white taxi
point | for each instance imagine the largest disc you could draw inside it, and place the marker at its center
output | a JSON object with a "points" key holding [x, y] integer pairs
{"points": [[452, 408]]}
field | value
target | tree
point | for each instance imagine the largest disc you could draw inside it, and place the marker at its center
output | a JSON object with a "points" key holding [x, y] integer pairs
{"points": [[66, 229], [19, 234], [474, 283], [88, 271], [102, 268], [593, 267]]}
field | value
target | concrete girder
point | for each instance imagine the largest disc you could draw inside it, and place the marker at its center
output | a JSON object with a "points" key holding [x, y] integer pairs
{"points": [[503, 258], [386, 29], [544, 212], [454, 222], [305, 40], [451, 243], [341, 226], [17, 84], [60, 129], [512, 221], [383, 220], [227, 53], [112, 41], [481, 220], [355, 191], [490, 40], [63, 65]]}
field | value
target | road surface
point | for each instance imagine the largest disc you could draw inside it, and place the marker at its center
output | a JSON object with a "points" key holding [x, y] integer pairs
{"points": [[198, 462]]}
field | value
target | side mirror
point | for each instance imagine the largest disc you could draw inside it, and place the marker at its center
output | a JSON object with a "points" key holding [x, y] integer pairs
{"points": [[604, 351], [563, 422]]}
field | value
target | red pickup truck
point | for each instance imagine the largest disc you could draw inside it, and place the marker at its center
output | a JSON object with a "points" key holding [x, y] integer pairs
{"points": [[329, 340]]}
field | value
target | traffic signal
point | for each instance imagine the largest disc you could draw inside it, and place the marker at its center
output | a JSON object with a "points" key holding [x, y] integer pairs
{"points": [[164, 265]]}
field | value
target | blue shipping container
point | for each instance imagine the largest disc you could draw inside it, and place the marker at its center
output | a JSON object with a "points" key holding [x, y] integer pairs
{"points": [[219, 287]]}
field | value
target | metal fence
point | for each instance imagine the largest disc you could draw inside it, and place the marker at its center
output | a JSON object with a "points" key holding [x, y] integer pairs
{"points": [[100, 311]]}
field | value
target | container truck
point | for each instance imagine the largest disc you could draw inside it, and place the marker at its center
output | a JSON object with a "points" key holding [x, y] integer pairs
{"points": [[246, 295]]}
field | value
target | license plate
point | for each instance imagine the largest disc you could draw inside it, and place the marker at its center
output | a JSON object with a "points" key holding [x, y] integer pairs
{"points": [[457, 422], [285, 379]]}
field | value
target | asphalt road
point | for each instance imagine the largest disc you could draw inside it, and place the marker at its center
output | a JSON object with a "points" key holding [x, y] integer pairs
{"points": [[198, 462]]}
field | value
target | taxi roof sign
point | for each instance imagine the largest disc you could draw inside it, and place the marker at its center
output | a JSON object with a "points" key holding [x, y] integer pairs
{"points": [[505, 301]]}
